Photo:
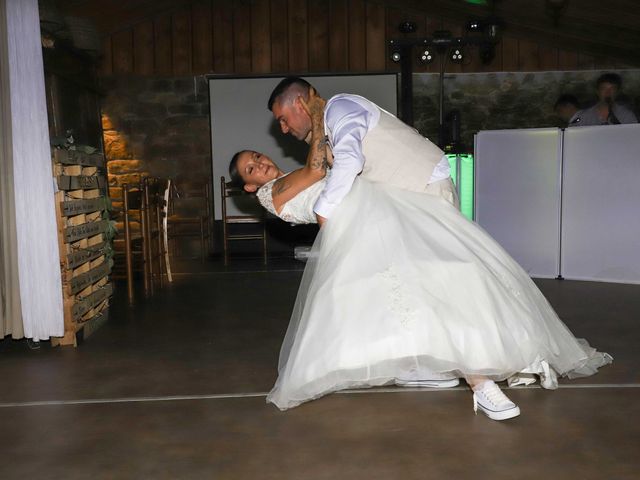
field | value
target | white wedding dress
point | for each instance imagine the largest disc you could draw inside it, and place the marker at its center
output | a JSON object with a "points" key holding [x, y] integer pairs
{"points": [[400, 283]]}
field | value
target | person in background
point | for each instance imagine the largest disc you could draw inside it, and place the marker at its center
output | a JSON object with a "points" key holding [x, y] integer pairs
{"points": [[568, 110], [608, 111]]}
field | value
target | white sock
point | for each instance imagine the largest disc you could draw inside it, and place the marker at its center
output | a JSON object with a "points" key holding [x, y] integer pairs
{"points": [[482, 385]]}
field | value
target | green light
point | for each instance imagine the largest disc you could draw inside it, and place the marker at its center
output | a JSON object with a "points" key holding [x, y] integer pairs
{"points": [[466, 181], [477, 2]]}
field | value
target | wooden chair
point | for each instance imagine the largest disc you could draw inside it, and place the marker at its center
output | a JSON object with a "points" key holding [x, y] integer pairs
{"points": [[135, 247], [200, 224], [154, 235], [165, 227], [143, 246], [228, 190]]}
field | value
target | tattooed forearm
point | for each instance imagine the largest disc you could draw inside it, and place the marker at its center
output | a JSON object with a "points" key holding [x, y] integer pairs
{"points": [[318, 154]]}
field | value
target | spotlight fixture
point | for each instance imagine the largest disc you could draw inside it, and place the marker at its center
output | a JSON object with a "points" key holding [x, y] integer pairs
{"points": [[456, 55], [474, 26], [395, 51], [426, 56]]}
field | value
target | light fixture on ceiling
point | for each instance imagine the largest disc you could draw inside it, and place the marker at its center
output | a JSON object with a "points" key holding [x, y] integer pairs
{"points": [[456, 55], [395, 51], [475, 26], [426, 56]]}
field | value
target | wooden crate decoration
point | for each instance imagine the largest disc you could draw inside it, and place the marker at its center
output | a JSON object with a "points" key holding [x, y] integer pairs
{"points": [[85, 240]]}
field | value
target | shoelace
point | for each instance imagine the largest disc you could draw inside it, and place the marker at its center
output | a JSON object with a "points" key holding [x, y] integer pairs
{"points": [[493, 394]]}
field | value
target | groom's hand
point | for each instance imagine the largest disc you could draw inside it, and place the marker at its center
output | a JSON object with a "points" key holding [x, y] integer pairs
{"points": [[314, 106], [321, 220]]}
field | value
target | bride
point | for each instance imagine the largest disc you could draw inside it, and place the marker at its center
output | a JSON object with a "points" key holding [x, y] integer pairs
{"points": [[400, 283]]}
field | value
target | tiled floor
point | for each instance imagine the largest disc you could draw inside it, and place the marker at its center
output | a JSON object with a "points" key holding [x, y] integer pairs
{"points": [[174, 388]]}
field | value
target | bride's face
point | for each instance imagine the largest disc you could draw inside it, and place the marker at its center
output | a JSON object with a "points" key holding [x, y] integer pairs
{"points": [[256, 169]]}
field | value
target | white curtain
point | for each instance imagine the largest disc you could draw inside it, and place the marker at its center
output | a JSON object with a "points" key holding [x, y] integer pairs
{"points": [[31, 290]]}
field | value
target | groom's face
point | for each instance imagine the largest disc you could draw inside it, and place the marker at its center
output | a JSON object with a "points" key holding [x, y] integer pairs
{"points": [[293, 119]]}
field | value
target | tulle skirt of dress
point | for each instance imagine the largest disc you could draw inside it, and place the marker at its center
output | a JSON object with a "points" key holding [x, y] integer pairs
{"points": [[400, 283]]}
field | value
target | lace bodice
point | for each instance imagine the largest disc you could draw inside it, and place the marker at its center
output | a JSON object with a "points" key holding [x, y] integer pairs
{"points": [[297, 210]]}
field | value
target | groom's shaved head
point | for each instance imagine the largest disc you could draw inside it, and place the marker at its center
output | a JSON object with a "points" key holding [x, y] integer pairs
{"points": [[287, 90]]}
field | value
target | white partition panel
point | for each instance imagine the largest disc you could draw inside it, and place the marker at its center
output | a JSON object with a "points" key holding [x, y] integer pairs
{"points": [[240, 120], [517, 194], [601, 199]]}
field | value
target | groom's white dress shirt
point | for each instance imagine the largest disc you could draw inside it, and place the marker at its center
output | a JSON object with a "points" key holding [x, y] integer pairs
{"points": [[348, 119]]}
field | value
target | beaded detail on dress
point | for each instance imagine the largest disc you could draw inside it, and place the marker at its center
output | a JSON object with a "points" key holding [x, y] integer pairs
{"points": [[398, 300]]}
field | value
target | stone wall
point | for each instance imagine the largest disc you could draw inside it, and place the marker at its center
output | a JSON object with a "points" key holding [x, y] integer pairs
{"points": [[492, 101], [157, 127]]}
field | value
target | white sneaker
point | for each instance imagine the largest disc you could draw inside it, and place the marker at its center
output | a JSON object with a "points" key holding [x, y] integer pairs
{"points": [[493, 403], [428, 383]]}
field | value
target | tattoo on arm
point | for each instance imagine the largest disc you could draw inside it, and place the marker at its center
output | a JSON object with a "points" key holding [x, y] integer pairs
{"points": [[319, 159], [279, 187]]}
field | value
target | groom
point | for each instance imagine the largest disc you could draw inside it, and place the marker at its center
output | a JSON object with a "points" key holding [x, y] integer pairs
{"points": [[364, 139]]}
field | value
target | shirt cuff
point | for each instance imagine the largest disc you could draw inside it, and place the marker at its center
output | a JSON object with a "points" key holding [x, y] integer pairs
{"points": [[324, 209]]}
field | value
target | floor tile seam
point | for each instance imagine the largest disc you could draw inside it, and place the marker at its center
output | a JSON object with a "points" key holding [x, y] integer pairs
{"points": [[223, 396], [194, 274]]}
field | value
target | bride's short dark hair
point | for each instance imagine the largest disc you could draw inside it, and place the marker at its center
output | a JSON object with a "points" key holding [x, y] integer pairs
{"points": [[284, 85], [236, 179]]}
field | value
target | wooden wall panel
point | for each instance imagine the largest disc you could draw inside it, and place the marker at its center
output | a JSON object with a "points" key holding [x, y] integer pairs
{"points": [[318, 13], [357, 36], [279, 36], [338, 36], [496, 64], [222, 37], [548, 57], [143, 48], [260, 37], [202, 25], [528, 56], [567, 60], [242, 36], [298, 36], [472, 61], [106, 65], [603, 62], [181, 41], [510, 60], [162, 44], [375, 37], [122, 48], [585, 62]]}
